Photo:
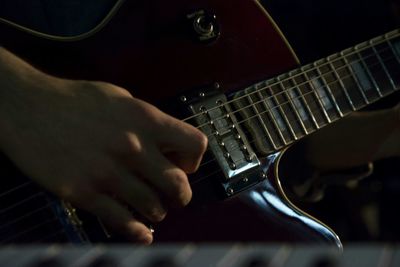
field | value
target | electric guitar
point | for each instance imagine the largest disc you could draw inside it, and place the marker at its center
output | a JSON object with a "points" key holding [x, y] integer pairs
{"points": [[236, 80]]}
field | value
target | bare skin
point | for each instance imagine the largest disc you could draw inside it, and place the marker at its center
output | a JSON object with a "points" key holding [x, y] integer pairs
{"points": [[93, 144], [360, 138]]}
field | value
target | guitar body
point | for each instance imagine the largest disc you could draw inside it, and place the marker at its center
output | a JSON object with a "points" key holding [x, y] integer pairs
{"points": [[151, 49]]}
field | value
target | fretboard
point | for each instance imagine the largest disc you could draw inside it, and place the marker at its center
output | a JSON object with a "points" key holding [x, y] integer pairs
{"points": [[295, 104]]}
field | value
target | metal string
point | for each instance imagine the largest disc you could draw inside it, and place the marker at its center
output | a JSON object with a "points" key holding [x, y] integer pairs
{"points": [[315, 78], [10, 223], [277, 106], [21, 202], [14, 189], [302, 71], [268, 110], [196, 115], [197, 180], [19, 234]]}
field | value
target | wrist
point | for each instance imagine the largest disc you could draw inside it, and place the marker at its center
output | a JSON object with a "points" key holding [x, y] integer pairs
{"points": [[17, 80]]}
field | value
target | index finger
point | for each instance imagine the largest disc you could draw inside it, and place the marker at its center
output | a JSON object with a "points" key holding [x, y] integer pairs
{"points": [[186, 143]]}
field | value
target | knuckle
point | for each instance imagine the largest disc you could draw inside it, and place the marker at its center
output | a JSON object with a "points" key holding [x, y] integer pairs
{"points": [[134, 144], [182, 191], [131, 145], [157, 215], [139, 233], [65, 192], [82, 198], [201, 141]]}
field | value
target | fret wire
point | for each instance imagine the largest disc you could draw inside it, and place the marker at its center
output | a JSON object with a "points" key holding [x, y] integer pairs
{"points": [[392, 35], [21, 202], [301, 96], [12, 190], [298, 97], [14, 237], [26, 215], [370, 74], [359, 86], [328, 87], [393, 50], [265, 128], [332, 94], [273, 118], [296, 87], [283, 114], [293, 108], [316, 96], [289, 80], [384, 67], [342, 86]]}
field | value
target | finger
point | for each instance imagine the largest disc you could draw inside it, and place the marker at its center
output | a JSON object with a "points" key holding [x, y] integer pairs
{"points": [[142, 198], [163, 175], [114, 215], [182, 143]]}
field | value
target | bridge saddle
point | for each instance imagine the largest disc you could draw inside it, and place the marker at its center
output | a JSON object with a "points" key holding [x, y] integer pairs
{"points": [[227, 142]]}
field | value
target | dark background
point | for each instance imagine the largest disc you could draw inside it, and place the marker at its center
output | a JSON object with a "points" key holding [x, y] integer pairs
{"points": [[314, 29], [369, 211]]}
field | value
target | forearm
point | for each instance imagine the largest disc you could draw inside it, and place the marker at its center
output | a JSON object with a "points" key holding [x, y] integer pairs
{"points": [[14, 73], [18, 81]]}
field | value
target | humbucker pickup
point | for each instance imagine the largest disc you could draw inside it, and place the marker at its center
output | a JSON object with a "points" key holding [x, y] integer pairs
{"points": [[227, 142]]}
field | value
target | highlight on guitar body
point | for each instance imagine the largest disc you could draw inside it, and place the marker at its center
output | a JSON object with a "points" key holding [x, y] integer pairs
{"points": [[240, 84]]}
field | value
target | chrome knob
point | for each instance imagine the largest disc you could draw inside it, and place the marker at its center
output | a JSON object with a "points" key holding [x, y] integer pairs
{"points": [[204, 25]]}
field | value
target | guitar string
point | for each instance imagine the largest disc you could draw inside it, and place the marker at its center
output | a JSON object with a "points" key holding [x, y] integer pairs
{"points": [[13, 189], [46, 206], [268, 110], [23, 201], [386, 38], [20, 202], [26, 215], [22, 233], [252, 141], [314, 68], [28, 183], [197, 180], [287, 90]]}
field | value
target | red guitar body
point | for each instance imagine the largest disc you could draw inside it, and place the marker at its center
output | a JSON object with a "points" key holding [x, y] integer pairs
{"points": [[150, 48]]}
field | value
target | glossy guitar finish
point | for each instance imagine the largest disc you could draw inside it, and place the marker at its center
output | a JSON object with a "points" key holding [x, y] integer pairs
{"points": [[150, 47]]}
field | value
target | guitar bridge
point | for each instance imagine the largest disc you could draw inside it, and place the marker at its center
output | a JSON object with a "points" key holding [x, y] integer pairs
{"points": [[227, 142]]}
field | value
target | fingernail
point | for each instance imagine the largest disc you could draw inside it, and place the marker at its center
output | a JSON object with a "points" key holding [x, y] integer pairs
{"points": [[146, 239]]}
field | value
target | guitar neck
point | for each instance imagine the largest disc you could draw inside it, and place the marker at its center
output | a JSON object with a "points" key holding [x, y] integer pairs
{"points": [[297, 103]]}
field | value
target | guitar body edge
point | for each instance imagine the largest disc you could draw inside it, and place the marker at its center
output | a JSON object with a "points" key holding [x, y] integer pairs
{"points": [[146, 48], [259, 214]]}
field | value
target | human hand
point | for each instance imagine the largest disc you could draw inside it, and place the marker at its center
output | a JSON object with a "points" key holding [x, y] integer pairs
{"points": [[390, 147], [96, 146], [360, 138]]}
